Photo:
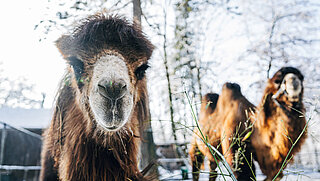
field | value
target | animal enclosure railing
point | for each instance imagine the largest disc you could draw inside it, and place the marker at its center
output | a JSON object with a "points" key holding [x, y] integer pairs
{"points": [[23, 153]]}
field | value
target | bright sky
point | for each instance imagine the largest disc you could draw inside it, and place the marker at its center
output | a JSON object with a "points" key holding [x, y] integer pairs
{"points": [[40, 63], [22, 54]]}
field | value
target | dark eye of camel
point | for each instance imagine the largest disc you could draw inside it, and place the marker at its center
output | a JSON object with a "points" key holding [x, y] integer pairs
{"points": [[277, 81], [77, 65], [78, 68], [140, 71]]}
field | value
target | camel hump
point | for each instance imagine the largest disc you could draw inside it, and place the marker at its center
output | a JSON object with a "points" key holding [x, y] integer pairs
{"points": [[231, 91], [232, 86], [209, 103]]}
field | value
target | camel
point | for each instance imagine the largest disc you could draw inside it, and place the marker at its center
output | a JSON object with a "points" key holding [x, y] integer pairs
{"points": [[278, 122], [94, 133], [222, 120], [268, 131]]}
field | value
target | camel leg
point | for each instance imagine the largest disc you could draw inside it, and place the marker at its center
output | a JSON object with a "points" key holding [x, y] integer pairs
{"points": [[213, 172], [197, 160], [247, 172], [271, 178], [247, 168]]}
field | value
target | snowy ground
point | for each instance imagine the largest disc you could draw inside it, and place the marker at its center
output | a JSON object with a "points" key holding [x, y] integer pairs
{"points": [[306, 166], [292, 173]]}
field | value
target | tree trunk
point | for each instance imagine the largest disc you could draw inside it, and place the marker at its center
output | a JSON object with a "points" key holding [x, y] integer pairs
{"points": [[147, 147], [137, 12], [199, 80], [165, 61]]}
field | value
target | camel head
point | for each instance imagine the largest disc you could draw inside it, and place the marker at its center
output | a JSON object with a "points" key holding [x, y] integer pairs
{"points": [[107, 58], [289, 82]]}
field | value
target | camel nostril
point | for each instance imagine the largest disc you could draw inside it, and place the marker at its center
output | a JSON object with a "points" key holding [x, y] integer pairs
{"points": [[112, 89], [124, 87], [101, 86], [102, 90]]}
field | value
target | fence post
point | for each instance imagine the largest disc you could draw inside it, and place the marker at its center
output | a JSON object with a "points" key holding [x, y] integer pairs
{"points": [[25, 175], [3, 140]]}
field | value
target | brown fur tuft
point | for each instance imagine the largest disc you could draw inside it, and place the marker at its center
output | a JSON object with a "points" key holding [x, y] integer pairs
{"points": [[106, 32]]}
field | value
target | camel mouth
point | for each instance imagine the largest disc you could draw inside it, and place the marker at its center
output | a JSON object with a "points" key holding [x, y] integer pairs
{"points": [[112, 128], [111, 114], [111, 124], [293, 95], [293, 98]]}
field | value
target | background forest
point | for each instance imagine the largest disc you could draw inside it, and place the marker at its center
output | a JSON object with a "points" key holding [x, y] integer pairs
{"points": [[200, 45]]}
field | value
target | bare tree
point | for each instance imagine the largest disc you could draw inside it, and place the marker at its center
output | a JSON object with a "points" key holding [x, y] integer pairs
{"points": [[147, 148], [18, 93]]}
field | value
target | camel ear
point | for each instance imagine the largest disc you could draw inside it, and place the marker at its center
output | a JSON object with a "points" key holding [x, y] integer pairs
{"points": [[65, 45]]}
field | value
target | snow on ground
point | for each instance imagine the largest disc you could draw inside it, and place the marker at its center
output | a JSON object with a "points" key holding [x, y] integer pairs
{"points": [[292, 173]]}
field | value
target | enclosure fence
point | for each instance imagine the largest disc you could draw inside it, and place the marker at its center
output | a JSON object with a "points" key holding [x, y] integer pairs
{"points": [[9, 168]]}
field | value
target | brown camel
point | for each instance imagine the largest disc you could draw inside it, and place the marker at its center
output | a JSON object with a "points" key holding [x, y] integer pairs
{"points": [[94, 133], [274, 126]]}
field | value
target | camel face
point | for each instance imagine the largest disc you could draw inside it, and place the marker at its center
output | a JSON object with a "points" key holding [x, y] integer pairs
{"points": [[108, 57], [111, 95], [292, 86]]}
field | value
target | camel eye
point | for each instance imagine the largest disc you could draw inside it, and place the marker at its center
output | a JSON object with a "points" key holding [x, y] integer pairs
{"points": [[77, 66], [277, 81], [140, 71]]}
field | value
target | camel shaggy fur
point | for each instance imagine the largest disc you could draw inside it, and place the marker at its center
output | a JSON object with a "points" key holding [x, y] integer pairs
{"points": [[94, 133]]}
